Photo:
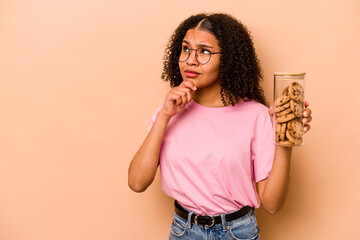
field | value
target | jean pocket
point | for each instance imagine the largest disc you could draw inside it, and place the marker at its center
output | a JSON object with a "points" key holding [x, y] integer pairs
{"points": [[178, 227], [244, 229], [241, 234]]}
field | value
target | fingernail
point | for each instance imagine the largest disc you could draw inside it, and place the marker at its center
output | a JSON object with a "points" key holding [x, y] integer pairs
{"points": [[194, 88]]}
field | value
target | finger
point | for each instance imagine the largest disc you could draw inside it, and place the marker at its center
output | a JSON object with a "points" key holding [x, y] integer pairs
{"points": [[307, 112], [271, 113], [306, 104], [307, 120], [182, 96], [189, 92], [185, 93], [271, 110], [189, 84], [173, 97], [306, 128]]}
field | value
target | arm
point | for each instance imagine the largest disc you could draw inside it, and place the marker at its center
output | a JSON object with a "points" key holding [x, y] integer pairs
{"points": [[273, 190], [143, 167]]}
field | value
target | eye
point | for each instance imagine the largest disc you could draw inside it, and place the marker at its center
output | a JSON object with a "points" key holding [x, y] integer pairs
{"points": [[185, 49], [204, 51]]}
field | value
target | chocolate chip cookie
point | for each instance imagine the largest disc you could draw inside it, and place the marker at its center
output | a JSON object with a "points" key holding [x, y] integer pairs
{"points": [[296, 92], [289, 108]]}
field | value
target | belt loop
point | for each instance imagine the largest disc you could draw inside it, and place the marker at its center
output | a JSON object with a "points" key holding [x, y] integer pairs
{"points": [[223, 222], [189, 218]]}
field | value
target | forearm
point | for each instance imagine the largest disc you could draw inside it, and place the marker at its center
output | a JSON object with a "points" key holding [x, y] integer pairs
{"points": [[275, 189], [143, 167]]}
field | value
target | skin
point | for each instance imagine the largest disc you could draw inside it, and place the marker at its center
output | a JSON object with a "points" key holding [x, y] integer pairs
{"points": [[205, 90], [207, 82]]}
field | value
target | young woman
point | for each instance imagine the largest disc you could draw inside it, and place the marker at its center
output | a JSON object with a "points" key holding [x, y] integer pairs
{"points": [[213, 136]]}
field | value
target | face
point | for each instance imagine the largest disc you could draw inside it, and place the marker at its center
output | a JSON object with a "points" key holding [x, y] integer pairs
{"points": [[202, 75]]}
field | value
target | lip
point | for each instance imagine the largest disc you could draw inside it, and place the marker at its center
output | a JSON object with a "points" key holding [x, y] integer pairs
{"points": [[191, 74]]}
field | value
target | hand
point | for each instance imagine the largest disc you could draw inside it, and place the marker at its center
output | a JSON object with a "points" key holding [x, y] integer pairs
{"points": [[177, 98], [306, 116]]}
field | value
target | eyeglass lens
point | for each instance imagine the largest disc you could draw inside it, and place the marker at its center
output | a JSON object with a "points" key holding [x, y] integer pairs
{"points": [[201, 55]]}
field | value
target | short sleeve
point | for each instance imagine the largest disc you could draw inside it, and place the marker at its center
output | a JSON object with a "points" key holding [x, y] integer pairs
{"points": [[263, 148]]}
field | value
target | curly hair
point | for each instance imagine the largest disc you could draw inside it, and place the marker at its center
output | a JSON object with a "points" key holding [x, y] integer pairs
{"points": [[240, 72]]}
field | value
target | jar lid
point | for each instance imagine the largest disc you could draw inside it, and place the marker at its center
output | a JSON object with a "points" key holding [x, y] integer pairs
{"points": [[289, 73]]}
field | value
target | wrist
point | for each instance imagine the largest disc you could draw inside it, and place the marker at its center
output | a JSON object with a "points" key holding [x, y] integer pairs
{"points": [[284, 148], [163, 116], [283, 152]]}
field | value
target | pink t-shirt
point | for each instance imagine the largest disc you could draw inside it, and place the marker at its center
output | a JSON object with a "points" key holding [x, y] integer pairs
{"points": [[211, 158]]}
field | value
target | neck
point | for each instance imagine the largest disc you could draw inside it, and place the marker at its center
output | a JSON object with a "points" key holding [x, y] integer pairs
{"points": [[209, 97]]}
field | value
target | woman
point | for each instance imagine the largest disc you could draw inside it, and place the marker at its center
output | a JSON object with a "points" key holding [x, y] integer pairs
{"points": [[213, 136]]}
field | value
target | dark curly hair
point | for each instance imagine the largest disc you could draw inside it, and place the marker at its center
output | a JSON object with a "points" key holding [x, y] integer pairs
{"points": [[240, 71]]}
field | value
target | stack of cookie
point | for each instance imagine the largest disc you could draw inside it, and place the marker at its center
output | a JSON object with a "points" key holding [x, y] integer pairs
{"points": [[289, 108]]}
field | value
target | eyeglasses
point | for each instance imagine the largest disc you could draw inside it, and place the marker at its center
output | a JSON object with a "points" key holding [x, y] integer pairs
{"points": [[202, 55]]}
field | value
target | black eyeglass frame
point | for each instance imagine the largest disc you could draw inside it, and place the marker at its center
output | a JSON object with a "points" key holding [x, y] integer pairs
{"points": [[196, 56]]}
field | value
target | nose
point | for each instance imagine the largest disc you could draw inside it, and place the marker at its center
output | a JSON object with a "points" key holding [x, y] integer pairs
{"points": [[192, 58]]}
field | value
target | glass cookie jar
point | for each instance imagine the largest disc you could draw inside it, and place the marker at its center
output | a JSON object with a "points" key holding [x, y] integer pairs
{"points": [[289, 98]]}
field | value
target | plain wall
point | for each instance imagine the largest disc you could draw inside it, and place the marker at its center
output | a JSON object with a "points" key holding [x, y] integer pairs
{"points": [[81, 79]]}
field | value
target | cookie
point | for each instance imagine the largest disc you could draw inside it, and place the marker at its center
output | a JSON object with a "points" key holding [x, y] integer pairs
{"points": [[296, 92], [297, 107], [286, 143], [295, 128], [296, 141], [281, 100], [289, 110], [282, 131], [277, 132], [285, 92], [286, 111], [285, 118], [282, 107]]}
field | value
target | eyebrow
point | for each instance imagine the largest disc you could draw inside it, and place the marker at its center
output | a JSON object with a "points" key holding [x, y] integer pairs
{"points": [[199, 45]]}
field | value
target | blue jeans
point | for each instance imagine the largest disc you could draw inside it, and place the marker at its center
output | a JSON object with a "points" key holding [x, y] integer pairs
{"points": [[244, 228]]}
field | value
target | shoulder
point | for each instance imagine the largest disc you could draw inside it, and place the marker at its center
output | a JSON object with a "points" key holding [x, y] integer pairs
{"points": [[256, 111], [255, 107]]}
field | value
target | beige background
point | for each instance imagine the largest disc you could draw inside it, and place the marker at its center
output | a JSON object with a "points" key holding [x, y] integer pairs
{"points": [[80, 80]]}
